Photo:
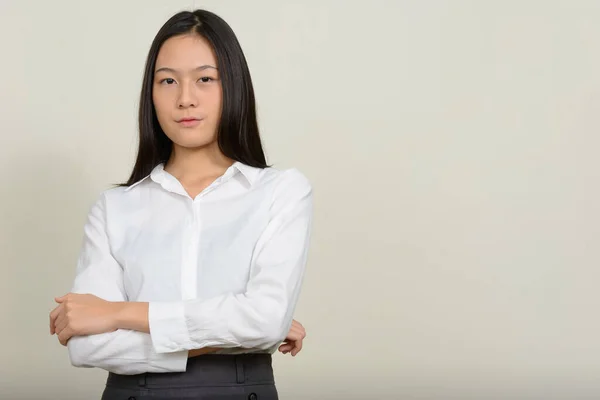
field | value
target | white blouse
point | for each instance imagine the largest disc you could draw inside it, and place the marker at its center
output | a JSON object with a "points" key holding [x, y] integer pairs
{"points": [[222, 270]]}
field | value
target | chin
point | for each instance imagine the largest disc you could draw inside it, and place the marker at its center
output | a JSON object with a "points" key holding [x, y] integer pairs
{"points": [[190, 140], [194, 144]]}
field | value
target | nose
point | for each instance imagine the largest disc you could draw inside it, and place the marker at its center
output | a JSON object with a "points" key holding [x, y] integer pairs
{"points": [[187, 97]]}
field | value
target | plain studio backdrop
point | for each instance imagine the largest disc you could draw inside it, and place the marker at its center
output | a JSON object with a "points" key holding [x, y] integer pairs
{"points": [[453, 149]]}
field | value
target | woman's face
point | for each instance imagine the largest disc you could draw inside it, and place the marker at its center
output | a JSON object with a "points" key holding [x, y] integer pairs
{"points": [[187, 92]]}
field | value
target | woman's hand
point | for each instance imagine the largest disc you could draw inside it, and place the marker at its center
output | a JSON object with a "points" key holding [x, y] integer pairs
{"points": [[293, 341], [82, 314]]}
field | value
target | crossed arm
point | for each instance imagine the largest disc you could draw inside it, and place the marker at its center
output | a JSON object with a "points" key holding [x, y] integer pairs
{"points": [[86, 314], [103, 329]]}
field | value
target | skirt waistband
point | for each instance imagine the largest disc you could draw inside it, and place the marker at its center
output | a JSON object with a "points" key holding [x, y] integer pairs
{"points": [[205, 370]]}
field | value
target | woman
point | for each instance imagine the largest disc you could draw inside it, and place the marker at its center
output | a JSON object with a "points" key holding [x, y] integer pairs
{"points": [[190, 271]]}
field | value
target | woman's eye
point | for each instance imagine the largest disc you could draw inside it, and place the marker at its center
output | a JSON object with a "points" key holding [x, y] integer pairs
{"points": [[205, 79], [168, 81]]}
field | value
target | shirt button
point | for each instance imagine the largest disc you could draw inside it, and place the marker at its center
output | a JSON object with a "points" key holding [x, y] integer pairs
{"points": [[252, 396]]}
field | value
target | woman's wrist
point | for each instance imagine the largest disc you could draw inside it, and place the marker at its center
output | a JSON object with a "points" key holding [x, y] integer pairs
{"points": [[131, 315], [202, 351]]}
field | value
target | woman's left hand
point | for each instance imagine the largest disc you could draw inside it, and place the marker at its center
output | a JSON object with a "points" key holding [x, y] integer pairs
{"points": [[293, 340], [82, 314]]}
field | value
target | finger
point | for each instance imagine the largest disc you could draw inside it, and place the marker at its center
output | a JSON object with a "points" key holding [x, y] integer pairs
{"points": [[61, 324], [59, 318], [64, 336], [297, 327], [53, 315], [295, 334], [61, 337], [61, 298], [295, 351], [284, 348], [297, 348], [56, 311], [295, 330], [301, 332], [300, 328], [289, 346]]}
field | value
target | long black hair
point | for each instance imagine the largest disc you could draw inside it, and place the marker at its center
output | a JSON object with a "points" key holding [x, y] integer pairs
{"points": [[238, 135]]}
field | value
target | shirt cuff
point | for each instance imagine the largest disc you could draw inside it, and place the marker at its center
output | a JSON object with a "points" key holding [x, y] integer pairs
{"points": [[172, 362], [168, 328]]}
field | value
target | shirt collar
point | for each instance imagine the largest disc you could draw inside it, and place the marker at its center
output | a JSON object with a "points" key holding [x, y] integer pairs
{"points": [[159, 175], [250, 173], [128, 188]]}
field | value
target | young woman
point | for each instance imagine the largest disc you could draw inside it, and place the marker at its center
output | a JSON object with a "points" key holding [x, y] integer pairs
{"points": [[190, 271]]}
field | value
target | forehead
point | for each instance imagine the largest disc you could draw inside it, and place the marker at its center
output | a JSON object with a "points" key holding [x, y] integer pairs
{"points": [[185, 52]]}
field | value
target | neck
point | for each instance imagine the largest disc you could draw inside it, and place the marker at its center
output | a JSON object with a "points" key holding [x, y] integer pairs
{"points": [[197, 164]]}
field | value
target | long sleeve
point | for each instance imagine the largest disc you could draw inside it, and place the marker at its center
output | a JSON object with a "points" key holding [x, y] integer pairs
{"points": [[98, 273], [260, 317]]}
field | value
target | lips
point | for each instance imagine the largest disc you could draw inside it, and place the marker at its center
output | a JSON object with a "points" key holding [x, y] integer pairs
{"points": [[189, 122]]}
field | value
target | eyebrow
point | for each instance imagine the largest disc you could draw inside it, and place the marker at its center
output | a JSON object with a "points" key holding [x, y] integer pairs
{"points": [[200, 68]]}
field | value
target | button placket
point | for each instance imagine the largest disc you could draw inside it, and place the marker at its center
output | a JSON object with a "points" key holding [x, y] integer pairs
{"points": [[190, 265]]}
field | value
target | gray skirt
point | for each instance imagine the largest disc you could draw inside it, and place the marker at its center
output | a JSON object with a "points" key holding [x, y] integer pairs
{"points": [[209, 376]]}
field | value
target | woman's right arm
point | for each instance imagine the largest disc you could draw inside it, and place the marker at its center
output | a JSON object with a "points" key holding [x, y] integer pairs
{"points": [[98, 273]]}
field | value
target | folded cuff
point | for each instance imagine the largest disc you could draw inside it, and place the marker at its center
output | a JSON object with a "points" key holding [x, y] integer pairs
{"points": [[168, 328]]}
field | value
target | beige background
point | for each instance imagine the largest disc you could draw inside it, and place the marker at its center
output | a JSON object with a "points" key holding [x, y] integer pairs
{"points": [[453, 150]]}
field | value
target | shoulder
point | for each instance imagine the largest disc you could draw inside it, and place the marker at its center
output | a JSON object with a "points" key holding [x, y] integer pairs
{"points": [[286, 179], [115, 194], [113, 198], [289, 187]]}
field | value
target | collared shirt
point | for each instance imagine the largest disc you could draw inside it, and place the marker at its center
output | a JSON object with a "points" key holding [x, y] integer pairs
{"points": [[221, 270]]}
